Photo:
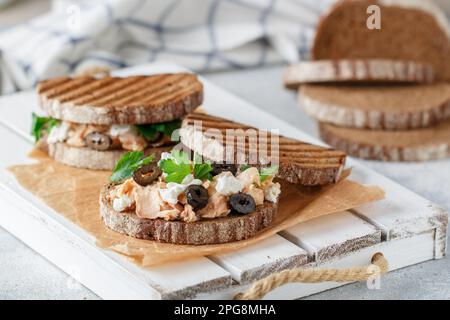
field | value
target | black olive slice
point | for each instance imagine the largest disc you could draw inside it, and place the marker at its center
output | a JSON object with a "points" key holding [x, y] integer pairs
{"points": [[218, 168], [98, 141], [145, 175], [197, 196], [242, 203]]}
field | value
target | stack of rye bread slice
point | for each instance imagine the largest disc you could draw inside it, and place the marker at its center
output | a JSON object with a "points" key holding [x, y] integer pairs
{"points": [[380, 94]]}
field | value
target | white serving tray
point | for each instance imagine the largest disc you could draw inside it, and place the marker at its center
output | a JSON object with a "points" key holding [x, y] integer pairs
{"points": [[405, 227]]}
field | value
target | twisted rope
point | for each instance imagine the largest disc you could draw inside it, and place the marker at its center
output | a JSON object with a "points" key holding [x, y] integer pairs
{"points": [[260, 288]]}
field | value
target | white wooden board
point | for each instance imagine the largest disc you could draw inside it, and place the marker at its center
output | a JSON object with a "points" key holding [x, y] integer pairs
{"points": [[405, 227]]}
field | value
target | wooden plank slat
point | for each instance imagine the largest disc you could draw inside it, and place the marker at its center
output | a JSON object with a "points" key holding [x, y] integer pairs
{"points": [[333, 235], [261, 259], [402, 213], [399, 253]]}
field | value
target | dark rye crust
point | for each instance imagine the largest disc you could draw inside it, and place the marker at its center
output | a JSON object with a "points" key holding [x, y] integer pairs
{"points": [[211, 231], [376, 150], [342, 33], [87, 158], [112, 100]]}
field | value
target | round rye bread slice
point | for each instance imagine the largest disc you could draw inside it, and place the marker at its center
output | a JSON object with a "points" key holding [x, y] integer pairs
{"points": [[395, 107], [87, 158], [359, 71], [112, 100], [212, 231], [407, 145], [408, 30], [298, 162]]}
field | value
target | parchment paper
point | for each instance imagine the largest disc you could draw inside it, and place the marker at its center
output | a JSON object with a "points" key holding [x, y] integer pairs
{"points": [[74, 193]]}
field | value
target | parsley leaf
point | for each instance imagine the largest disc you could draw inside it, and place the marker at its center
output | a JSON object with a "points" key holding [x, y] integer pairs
{"points": [[264, 173], [40, 124], [149, 131], [179, 166], [168, 127], [128, 164], [180, 156], [176, 172], [202, 171]]}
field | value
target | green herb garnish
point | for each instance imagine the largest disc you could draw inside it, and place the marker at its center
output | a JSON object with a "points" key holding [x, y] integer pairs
{"points": [[150, 131], [128, 164], [41, 124], [179, 166], [176, 172], [180, 157], [202, 171], [264, 173]]}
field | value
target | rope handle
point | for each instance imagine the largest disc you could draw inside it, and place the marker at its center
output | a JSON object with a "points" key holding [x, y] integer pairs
{"points": [[260, 288]]}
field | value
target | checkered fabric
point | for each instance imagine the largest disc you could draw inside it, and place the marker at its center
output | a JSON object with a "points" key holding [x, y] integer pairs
{"points": [[202, 35]]}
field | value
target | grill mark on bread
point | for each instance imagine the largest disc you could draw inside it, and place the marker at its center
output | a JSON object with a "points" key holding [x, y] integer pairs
{"points": [[299, 162], [46, 85], [176, 94], [162, 93], [118, 86], [95, 85], [149, 89], [66, 86], [130, 90]]}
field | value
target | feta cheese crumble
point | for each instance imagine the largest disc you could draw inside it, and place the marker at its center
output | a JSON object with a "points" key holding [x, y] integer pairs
{"points": [[172, 191], [121, 203], [119, 129], [272, 192], [227, 184], [59, 133]]}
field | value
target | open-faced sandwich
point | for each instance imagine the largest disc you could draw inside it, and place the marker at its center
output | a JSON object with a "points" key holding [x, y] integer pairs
{"points": [[92, 122], [180, 199]]}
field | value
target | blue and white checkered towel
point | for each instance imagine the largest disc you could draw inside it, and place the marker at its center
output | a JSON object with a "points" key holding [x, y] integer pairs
{"points": [[198, 34]]}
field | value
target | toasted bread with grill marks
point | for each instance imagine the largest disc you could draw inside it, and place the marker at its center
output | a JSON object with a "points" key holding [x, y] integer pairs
{"points": [[299, 162], [357, 71], [112, 100], [218, 230]]}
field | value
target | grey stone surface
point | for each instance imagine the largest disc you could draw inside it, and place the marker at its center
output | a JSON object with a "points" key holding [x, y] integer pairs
{"points": [[26, 275]]}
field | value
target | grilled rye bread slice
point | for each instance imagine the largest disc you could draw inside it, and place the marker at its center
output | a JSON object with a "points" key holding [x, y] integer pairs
{"points": [[406, 145], [394, 107], [213, 231], [344, 33], [92, 159], [357, 70], [299, 162], [112, 100]]}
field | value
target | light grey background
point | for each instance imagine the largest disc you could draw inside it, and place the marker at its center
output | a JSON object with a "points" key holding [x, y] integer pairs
{"points": [[26, 275]]}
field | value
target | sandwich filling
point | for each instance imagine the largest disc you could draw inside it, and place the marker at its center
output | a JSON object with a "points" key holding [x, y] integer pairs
{"points": [[103, 138], [177, 188]]}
